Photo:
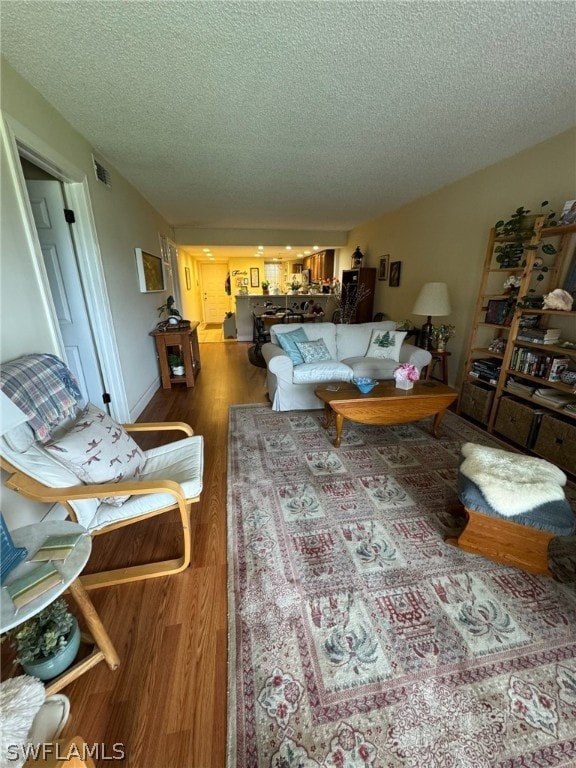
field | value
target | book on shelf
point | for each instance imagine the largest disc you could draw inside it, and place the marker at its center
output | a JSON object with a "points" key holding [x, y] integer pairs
{"points": [[553, 397], [518, 386], [57, 547], [539, 336], [484, 377], [33, 584]]}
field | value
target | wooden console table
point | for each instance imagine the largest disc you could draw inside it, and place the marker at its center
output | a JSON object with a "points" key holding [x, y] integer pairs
{"points": [[187, 340]]}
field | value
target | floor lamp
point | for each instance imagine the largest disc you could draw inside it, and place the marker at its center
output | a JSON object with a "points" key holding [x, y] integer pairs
{"points": [[432, 301]]}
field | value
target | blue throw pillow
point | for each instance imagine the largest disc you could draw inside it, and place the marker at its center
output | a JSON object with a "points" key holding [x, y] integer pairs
{"points": [[288, 343], [313, 351]]}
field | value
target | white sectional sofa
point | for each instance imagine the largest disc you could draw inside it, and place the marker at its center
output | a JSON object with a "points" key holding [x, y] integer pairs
{"points": [[291, 386]]}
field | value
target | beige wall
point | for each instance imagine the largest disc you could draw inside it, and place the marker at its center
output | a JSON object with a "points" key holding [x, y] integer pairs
{"points": [[443, 236], [123, 221]]}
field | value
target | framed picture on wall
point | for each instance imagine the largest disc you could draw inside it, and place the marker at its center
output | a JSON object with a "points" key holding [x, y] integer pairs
{"points": [[187, 276], [254, 277], [395, 269], [150, 272], [383, 267]]}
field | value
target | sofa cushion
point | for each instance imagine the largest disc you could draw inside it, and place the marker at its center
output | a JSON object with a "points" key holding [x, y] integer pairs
{"points": [[288, 342], [385, 344], [313, 351], [98, 450], [375, 367], [325, 370], [353, 339]]}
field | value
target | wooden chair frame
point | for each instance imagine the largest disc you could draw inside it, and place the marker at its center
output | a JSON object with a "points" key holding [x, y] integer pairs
{"points": [[32, 489]]}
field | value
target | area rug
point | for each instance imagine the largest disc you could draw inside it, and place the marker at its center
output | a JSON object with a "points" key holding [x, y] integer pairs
{"points": [[357, 637]]}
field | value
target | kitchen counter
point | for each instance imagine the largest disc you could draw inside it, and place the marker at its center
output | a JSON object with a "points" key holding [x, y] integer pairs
{"points": [[248, 303]]}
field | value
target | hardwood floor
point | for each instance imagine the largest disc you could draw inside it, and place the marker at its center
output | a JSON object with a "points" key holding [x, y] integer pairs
{"points": [[166, 704]]}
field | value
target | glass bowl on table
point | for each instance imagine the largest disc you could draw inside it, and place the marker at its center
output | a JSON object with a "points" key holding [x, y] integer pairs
{"points": [[365, 383]]}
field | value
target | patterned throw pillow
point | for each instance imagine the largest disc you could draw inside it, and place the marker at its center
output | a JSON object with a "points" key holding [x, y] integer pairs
{"points": [[313, 351], [288, 343], [385, 344], [98, 450]]}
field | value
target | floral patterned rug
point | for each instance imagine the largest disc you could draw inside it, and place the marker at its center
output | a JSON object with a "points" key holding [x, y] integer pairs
{"points": [[358, 638]]}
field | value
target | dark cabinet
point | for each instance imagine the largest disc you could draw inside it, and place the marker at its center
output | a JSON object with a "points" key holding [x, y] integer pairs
{"points": [[321, 265], [358, 294]]}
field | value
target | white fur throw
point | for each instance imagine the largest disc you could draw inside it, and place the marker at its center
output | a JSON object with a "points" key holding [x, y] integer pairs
{"points": [[20, 700], [511, 482]]}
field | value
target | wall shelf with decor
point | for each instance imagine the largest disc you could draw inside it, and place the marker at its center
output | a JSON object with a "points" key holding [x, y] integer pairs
{"points": [[517, 379]]}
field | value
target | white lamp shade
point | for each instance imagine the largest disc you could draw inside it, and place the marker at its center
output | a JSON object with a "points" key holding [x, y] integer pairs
{"points": [[432, 300], [10, 415]]}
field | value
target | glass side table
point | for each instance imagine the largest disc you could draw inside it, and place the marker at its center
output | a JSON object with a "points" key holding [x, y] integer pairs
{"points": [[32, 537]]}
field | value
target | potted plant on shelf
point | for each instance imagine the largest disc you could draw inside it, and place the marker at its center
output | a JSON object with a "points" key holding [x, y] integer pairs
{"points": [[265, 287], [176, 363], [174, 316], [295, 285], [47, 644]]}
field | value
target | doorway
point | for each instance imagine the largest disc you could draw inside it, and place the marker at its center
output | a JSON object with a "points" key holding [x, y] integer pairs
{"points": [[215, 300], [46, 197], [20, 143]]}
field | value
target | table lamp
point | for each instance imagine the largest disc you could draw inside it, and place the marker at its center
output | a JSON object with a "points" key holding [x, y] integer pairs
{"points": [[433, 300]]}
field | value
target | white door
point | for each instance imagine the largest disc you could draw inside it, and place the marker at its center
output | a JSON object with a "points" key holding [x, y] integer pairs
{"points": [[215, 300], [47, 201]]}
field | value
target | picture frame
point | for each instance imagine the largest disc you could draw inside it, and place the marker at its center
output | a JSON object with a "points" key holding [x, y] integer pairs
{"points": [[394, 277], [254, 277], [570, 280], [187, 278], [151, 277], [568, 215], [497, 311], [383, 267]]}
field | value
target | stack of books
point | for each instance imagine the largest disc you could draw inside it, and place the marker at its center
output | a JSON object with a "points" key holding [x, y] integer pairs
{"points": [[33, 584], [553, 397], [534, 363], [57, 547], [486, 369], [539, 335], [520, 387]]}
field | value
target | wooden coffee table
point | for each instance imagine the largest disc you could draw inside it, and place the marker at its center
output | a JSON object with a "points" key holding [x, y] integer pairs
{"points": [[385, 404]]}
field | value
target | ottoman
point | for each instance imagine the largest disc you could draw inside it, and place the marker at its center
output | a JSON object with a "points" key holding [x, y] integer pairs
{"points": [[515, 505]]}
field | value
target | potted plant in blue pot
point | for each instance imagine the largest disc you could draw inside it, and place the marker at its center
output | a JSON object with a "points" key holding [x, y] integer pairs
{"points": [[47, 644]]}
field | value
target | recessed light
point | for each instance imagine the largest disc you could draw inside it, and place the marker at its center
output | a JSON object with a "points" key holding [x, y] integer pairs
{"points": [[306, 253], [206, 250], [315, 247], [260, 247], [288, 247]]}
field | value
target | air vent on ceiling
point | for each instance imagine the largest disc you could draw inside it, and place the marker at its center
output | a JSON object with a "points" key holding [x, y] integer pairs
{"points": [[101, 173]]}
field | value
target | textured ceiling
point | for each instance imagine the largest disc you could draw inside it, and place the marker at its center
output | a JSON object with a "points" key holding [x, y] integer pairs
{"points": [[307, 115]]}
